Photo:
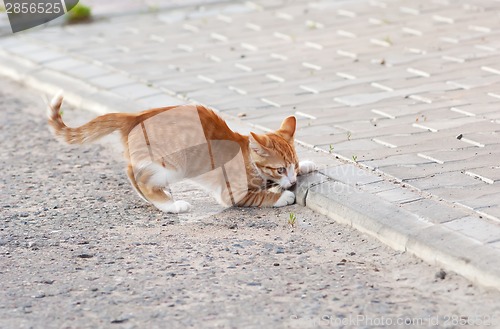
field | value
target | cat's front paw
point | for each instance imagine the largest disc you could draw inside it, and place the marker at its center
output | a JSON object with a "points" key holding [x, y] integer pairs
{"points": [[306, 167], [286, 198]]}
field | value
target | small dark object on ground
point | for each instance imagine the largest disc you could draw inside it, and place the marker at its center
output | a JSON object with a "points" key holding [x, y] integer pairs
{"points": [[441, 274]]}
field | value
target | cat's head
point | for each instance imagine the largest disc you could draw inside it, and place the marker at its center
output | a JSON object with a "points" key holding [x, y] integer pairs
{"points": [[274, 154]]}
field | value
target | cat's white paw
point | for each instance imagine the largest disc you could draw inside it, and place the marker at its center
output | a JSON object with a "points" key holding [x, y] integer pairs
{"points": [[306, 167], [176, 207], [182, 206], [286, 198]]}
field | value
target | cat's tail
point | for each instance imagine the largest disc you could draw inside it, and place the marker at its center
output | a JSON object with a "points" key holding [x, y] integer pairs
{"points": [[89, 132]]}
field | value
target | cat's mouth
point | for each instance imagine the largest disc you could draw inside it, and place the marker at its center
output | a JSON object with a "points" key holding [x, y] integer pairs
{"points": [[270, 184]]}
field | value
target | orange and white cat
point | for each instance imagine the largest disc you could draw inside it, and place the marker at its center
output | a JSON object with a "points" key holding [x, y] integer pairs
{"points": [[166, 145]]}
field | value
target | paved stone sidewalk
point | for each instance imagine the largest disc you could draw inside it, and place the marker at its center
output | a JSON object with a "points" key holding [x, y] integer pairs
{"points": [[406, 89]]}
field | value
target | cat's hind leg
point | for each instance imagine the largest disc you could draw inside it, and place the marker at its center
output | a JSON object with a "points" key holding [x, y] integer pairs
{"points": [[131, 178], [151, 181]]}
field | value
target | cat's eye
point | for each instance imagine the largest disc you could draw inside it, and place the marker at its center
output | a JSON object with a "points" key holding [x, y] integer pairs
{"points": [[281, 170]]}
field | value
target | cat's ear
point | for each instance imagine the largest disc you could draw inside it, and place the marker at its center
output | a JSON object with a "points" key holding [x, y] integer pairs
{"points": [[258, 144], [287, 129]]}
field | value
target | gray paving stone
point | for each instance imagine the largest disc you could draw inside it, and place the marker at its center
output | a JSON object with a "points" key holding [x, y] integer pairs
{"points": [[349, 148], [88, 72], [489, 174], [492, 212], [328, 114], [361, 99], [181, 85], [485, 202], [435, 211], [63, 64], [307, 129], [430, 169], [101, 54], [474, 81], [495, 245], [44, 55], [446, 123], [143, 71], [450, 156], [401, 159], [112, 80], [357, 126], [9, 43], [376, 126], [206, 95], [425, 142], [467, 195], [136, 91], [399, 195], [242, 105], [494, 116], [23, 48], [159, 100], [407, 107], [450, 180], [380, 186], [381, 153], [351, 175], [477, 228]]}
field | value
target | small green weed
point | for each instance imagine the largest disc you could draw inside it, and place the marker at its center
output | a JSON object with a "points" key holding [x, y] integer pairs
{"points": [[355, 158], [349, 135], [153, 8], [292, 219], [331, 149], [313, 25], [79, 13]]}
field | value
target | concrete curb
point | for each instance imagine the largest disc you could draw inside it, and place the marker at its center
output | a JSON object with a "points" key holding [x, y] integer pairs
{"points": [[401, 229], [325, 193]]}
